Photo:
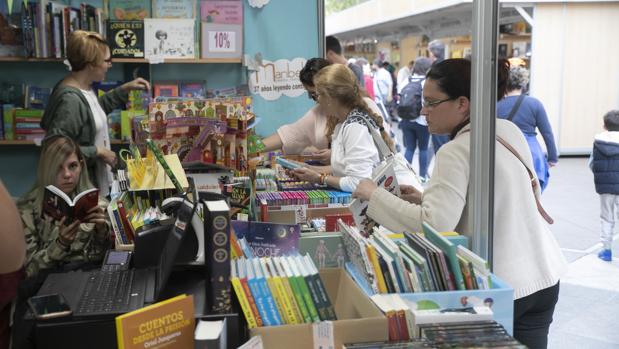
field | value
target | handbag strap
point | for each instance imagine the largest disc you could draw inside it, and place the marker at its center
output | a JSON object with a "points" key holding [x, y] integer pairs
{"points": [[515, 107], [383, 149], [534, 181]]}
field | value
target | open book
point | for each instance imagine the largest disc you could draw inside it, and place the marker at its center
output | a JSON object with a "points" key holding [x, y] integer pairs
{"points": [[384, 177], [57, 204]]}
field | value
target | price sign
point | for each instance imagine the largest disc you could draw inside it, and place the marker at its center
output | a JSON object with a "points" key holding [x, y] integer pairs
{"points": [[221, 41]]}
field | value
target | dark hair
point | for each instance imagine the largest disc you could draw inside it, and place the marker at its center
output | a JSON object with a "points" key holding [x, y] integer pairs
{"points": [[611, 120], [421, 65], [333, 44], [453, 77], [312, 66], [502, 75]]}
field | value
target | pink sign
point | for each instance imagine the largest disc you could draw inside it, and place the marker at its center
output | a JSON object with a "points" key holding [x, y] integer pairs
{"points": [[221, 12]]}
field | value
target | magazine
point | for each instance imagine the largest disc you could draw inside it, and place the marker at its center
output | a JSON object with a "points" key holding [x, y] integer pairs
{"points": [[57, 204]]}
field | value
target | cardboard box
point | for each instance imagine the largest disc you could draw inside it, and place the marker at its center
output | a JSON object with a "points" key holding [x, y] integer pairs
{"points": [[359, 320], [288, 216]]}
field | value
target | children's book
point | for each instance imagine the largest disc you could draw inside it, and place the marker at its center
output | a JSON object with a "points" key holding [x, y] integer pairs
{"points": [[129, 10], [384, 177], [174, 8], [269, 239], [192, 89], [126, 38], [169, 38], [57, 204], [166, 89]]}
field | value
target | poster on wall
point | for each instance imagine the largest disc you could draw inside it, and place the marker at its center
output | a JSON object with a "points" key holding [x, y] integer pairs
{"points": [[274, 79]]}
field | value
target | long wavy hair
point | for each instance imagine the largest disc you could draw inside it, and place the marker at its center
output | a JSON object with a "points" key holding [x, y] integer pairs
{"points": [[54, 153], [339, 83]]}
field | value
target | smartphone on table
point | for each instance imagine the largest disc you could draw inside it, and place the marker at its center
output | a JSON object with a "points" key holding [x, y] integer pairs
{"points": [[49, 306]]}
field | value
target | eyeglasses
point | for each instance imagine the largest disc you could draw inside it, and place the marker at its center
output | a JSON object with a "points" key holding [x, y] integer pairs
{"points": [[432, 104], [108, 60]]}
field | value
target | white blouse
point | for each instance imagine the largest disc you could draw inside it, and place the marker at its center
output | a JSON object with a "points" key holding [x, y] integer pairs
{"points": [[102, 139]]}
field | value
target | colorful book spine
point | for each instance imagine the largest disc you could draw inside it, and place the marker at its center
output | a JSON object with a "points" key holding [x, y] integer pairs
{"points": [[286, 302], [329, 312], [288, 290], [274, 292], [240, 295], [266, 293], [305, 292], [296, 290], [380, 279], [250, 298], [254, 289]]}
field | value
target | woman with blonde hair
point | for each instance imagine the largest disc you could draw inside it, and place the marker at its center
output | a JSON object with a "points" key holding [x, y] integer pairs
{"points": [[50, 244], [74, 110], [353, 151]]}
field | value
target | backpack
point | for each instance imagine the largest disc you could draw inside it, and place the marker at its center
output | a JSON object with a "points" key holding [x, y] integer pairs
{"points": [[410, 99]]}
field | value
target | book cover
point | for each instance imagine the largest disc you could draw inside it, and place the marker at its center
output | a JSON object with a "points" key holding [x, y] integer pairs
{"points": [[385, 178], [166, 89], [168, 323], [174, 8], [259, 264], [269, 239], [129, 10], [271, 304], [126, 38], [326, 249], [169, 38], [211, 334], [36, 97], [221, 40], [303, 287], [192, 89], [222, 12], [57, 204]]}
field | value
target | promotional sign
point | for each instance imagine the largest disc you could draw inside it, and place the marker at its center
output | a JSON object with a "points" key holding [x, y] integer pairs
{"points": [[272, 79]]}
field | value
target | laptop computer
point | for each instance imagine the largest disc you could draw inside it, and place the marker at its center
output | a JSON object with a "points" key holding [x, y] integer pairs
{"points": [[104, 293]]}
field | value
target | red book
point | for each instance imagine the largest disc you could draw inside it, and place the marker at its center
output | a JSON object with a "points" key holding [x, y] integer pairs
{"points": [[57, 204]]}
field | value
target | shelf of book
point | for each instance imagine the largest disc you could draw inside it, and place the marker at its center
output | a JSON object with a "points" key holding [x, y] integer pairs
{"points": [[129, 60]]}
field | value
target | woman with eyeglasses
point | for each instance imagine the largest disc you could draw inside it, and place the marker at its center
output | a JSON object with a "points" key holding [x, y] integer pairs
{"points": [[74, 110], [526, 254], [310, 131]]}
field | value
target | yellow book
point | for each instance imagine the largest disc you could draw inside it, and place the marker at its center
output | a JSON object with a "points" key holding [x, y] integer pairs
{"points": [[288, 313], [169, 323], [380, 279], [288, 291], [240, 295], [449, 233]]}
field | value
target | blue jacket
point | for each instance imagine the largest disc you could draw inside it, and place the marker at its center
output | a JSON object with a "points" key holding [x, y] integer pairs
{"points": [[605, 166]]}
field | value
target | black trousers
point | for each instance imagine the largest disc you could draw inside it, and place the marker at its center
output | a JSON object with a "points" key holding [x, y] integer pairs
{"points": [[533, 316]]}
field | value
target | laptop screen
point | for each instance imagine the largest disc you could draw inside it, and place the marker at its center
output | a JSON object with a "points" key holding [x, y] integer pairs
{"points": [[173, 243]]}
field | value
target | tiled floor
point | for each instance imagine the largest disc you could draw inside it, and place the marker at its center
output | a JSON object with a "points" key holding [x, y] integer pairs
{"points": [[588, 309]]}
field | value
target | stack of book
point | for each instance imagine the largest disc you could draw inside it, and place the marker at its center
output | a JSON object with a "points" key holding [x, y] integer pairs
{"points": [[421, 263], [311, 198], [479, 334], [280, 290], [28, 124]]}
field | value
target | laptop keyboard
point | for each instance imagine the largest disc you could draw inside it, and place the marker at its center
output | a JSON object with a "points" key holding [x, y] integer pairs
{"points": [[106, 292]]}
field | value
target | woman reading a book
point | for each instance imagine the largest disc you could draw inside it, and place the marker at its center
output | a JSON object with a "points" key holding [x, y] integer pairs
{"points": [[526, 254], [52, 243], [310, 131], [353, 152], [75, 110]]}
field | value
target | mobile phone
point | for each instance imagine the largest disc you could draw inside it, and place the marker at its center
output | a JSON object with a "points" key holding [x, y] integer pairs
{"points": [[116, 260], [49, 306]]}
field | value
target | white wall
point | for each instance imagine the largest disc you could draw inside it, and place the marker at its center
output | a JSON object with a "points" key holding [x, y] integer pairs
{"points": [[575, 69]]}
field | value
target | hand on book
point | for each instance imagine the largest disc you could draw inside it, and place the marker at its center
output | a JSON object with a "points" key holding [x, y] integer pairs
{"points": [[364, 189], [306, 174], [410, 194], [137, 84], [323, 155], [96, 215], [66, 233]]}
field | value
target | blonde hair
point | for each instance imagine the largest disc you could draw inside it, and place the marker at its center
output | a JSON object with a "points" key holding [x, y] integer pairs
{"points": [[54, 153], [84, 48], [338, 82]]}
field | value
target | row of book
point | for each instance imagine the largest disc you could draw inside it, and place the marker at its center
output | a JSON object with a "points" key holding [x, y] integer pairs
{"points": [[475, 334], [20, 124], [310, 197], [419, 263], [214, 11], [46, 25], [280, 290]]}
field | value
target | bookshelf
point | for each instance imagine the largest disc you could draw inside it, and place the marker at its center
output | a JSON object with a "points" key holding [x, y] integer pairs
{"points": [[130, 60]]}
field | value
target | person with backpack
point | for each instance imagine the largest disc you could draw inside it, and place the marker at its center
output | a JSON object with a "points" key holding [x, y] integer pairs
{"points": [[414, 126]]}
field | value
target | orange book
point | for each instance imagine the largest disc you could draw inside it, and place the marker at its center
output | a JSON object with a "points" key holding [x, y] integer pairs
{"points": [[241, 273], [168, 323]]}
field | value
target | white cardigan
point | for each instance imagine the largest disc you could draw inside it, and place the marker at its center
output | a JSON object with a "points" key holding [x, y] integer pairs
{"points": [[526, 254]]}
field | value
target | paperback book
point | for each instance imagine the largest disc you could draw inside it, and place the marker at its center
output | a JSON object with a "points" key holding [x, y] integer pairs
{"points": [[169, 38], [57, 204], [126, 38], [269, 239]]}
